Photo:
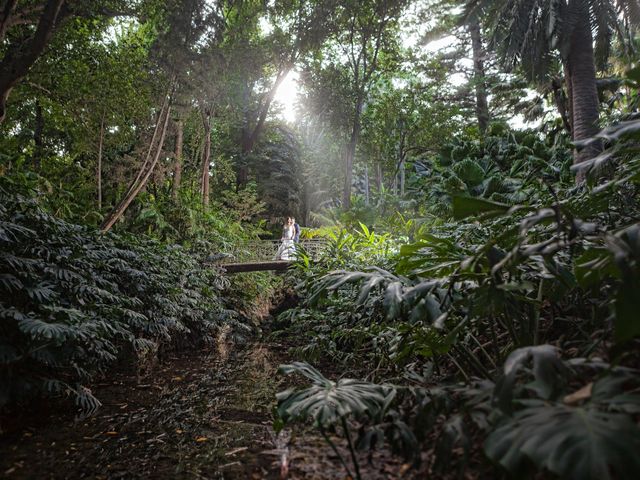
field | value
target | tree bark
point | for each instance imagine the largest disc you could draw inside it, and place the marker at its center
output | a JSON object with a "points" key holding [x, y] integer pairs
{"points": [[567, 81], [206, 158], [5, 16], [177, 167], [402, 155], [351, 153], [19, 58], [366, 185], [150, 161], [482, 104], [582, 70], [99, 163]]}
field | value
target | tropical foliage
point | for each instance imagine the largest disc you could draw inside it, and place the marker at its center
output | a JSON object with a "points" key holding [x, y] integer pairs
{"points": [[470, 169], [481, 300], [74, 302]]}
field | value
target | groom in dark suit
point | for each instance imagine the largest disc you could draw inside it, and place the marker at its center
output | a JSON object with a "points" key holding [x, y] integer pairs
{"points": [[296, 228]]}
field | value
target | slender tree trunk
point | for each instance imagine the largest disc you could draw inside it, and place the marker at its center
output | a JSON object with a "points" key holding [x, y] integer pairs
{"points": [[351, 153], [402, 177], [99, 163], [19, 58], [402, 154], [582, 70], [264, 111], [379, 177], [206, 158], [366, 184], [251, 136], [177, 167], [482, 105], [150, 161], [38, 130]]}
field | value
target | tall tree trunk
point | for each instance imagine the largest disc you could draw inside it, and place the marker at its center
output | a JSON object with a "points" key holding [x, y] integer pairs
{"points": [[99, 163], [177, 166], [482, 105], [402, 155], [351, 153], [366, 185], [38, 129], [582, 70], [567, 82], [379, 177], [151, 159], [206, 158], [19, 58]]}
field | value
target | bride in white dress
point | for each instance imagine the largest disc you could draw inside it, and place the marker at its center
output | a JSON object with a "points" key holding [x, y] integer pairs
{"points": [[286, 250]]}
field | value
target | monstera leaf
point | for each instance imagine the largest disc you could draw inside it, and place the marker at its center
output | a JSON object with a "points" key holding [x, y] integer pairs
{"points": [[547, 369], [464, 207], [327, 402], [574, 443]]}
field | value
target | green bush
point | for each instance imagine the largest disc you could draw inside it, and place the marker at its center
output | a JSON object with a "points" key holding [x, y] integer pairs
{"points": [[72, 301]]}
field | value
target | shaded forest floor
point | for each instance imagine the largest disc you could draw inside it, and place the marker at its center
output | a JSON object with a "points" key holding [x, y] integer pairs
{"points": [[205, 414]]}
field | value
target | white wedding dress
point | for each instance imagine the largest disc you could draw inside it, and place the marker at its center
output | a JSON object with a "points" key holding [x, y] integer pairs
{"points": [[286, 250]]}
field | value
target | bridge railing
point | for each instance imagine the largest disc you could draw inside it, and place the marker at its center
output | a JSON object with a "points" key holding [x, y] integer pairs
{"points": [[266, 251]]}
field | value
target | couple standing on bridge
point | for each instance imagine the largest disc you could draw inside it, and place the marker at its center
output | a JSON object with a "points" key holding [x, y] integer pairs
{"points": [[290, 236]]}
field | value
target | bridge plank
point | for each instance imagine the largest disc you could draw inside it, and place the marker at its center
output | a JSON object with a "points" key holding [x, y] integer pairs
{"points": [[256, 266]]}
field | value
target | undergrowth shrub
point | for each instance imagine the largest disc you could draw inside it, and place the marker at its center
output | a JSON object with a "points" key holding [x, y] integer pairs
{"points": [[72, 301], [515, 328]]}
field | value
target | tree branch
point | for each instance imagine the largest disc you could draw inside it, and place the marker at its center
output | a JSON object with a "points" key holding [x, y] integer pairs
{"points": [[20, 57]]}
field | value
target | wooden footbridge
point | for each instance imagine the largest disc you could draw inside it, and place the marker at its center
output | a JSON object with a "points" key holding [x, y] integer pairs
{"points": [[260, 255]]}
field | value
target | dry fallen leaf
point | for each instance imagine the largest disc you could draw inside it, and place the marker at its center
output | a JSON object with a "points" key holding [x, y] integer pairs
{"points": [[178, 430], [579, 395], [111, 433], [201, 439]]}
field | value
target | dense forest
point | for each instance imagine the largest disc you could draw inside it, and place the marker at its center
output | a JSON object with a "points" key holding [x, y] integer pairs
{"points": [[463, 300]]}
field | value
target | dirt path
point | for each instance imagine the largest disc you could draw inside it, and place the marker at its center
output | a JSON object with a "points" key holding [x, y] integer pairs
{"points": [[198, 416], [202, 415]]}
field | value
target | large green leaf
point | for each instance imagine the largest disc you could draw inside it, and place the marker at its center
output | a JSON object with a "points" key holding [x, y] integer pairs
{"points": [[326, 402], [547, 370], [574, 443], [627, 306], [464, 207]]}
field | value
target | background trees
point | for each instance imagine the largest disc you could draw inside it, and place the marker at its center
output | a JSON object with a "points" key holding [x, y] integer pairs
{"points": [[378, 99], [578, 34]]}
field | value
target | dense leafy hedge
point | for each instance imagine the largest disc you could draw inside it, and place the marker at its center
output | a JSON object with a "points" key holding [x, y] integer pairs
{"points": [[72, 301]]}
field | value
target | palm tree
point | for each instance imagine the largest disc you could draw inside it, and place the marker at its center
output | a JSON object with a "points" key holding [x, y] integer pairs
{"points": [[537, 33]]}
